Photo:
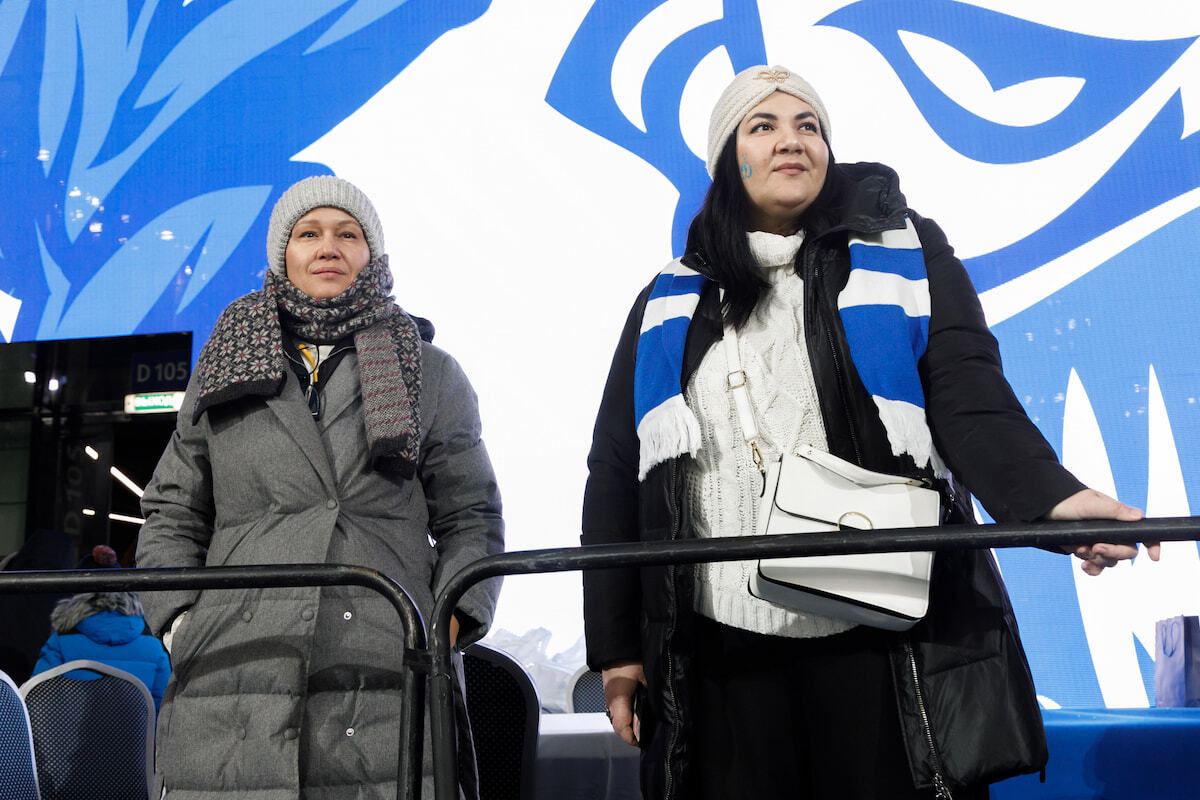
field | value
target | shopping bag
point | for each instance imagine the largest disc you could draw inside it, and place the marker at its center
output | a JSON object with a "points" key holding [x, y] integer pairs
{"points": [[1177, 662]]}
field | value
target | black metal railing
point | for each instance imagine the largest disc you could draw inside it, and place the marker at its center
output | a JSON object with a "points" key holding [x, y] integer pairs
{"points": [[413, 659], [417, 657], [646, 554]]}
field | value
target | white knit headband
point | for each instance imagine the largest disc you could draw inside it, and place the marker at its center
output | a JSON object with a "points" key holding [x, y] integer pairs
{"points": [[749, 88]]}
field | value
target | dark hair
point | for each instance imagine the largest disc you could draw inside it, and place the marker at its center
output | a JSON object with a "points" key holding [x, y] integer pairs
{"points": [[718, 235]]}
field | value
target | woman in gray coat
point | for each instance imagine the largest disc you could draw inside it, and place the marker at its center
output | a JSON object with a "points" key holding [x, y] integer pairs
{"points": [[320, 425]]}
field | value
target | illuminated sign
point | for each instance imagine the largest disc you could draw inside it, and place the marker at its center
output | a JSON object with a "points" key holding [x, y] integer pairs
{"points": [[153, 402]]}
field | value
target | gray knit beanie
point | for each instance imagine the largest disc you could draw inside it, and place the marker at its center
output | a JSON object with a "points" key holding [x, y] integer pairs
{"points": [[749, 88], [320, 191]]}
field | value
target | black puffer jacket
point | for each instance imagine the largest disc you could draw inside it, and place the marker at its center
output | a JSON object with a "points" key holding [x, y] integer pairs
{"points": [[963, 665]]}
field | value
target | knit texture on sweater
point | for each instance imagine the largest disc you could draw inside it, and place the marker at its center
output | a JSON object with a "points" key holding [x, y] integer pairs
{"points": [[722, 482]]}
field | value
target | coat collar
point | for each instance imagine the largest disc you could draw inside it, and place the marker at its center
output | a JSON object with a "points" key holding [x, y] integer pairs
{"points": [[291, 409], [866, 198]]}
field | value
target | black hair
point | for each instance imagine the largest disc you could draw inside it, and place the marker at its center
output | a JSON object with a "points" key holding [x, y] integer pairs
{"points": [[718, 235]]}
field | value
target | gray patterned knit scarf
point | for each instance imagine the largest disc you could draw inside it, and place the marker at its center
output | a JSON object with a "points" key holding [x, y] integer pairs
{"points": [[244, 355]]}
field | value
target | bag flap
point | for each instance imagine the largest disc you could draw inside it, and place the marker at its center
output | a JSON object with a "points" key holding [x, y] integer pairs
{"points": [[853, 472], [806, 489]]}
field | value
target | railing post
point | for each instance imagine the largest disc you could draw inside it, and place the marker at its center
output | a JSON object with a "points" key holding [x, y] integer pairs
{"points": [[412, 694]]}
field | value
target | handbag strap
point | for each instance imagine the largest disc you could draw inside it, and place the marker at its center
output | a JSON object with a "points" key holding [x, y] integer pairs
{"points": [[735, 383]]}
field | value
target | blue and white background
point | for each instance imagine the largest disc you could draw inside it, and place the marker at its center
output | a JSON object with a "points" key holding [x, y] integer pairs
{"points": [[535, 163]]}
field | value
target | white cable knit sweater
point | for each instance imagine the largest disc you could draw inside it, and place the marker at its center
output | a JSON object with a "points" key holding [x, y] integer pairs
{"points": [[722, 482]]}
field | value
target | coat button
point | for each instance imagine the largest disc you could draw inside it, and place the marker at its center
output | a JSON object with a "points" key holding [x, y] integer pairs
{"points": [[347, 616], [241, 732], [290, 734], [306, 614], [349, 731], [247, 616], [331, 504]]}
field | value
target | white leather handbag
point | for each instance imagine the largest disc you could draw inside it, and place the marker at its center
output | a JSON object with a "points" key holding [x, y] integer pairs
{"points": [[811, 491]]}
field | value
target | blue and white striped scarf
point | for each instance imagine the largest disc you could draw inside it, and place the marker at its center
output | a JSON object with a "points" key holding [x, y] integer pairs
{"points": [[666, 427], [885, 313]]}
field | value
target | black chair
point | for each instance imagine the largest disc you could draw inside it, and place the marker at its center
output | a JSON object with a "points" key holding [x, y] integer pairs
{"points": [[92, 738], [18, 772], [587, 692], [503, 707]]}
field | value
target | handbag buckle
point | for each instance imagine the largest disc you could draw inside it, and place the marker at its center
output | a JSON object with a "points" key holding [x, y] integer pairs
{"points": [[757, 456], [850, 515]]}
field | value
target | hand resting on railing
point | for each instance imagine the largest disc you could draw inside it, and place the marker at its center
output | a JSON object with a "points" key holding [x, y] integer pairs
{"points": [[1090, 504]]}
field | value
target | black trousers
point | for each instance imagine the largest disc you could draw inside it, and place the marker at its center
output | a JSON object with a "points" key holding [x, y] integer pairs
{"points": [[798, 718]]}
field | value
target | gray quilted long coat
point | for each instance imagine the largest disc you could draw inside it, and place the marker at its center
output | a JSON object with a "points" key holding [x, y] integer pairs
{"points": [[291, 693]]}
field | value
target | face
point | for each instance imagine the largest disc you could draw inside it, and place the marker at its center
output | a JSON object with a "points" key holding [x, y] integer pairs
{"points": [[783, 161], [325, 253]]}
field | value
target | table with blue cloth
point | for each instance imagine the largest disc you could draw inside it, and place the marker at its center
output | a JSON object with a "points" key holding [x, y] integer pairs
{"points": [[1115, 754], [1109, 754]]}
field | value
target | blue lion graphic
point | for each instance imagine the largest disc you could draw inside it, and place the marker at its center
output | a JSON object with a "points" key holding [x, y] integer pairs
{"points": [[132, 216]]}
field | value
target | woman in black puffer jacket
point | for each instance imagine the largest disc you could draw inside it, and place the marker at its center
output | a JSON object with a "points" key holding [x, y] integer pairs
{"points": [[747, 698]]}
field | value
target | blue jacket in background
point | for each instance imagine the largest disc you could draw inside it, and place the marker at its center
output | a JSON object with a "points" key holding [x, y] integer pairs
{"points": [[106, 627]]}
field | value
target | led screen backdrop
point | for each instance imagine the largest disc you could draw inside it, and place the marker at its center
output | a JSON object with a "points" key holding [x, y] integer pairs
{"points": [[535, 163]]}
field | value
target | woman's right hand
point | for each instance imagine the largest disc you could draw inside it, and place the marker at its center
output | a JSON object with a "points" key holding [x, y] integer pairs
{"points": [[620, 681]]}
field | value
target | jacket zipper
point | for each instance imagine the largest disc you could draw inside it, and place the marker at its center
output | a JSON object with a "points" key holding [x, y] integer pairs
{"points": [[810, 257], [312, 385], [332, 353], [941, 788], [676, 524]]}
